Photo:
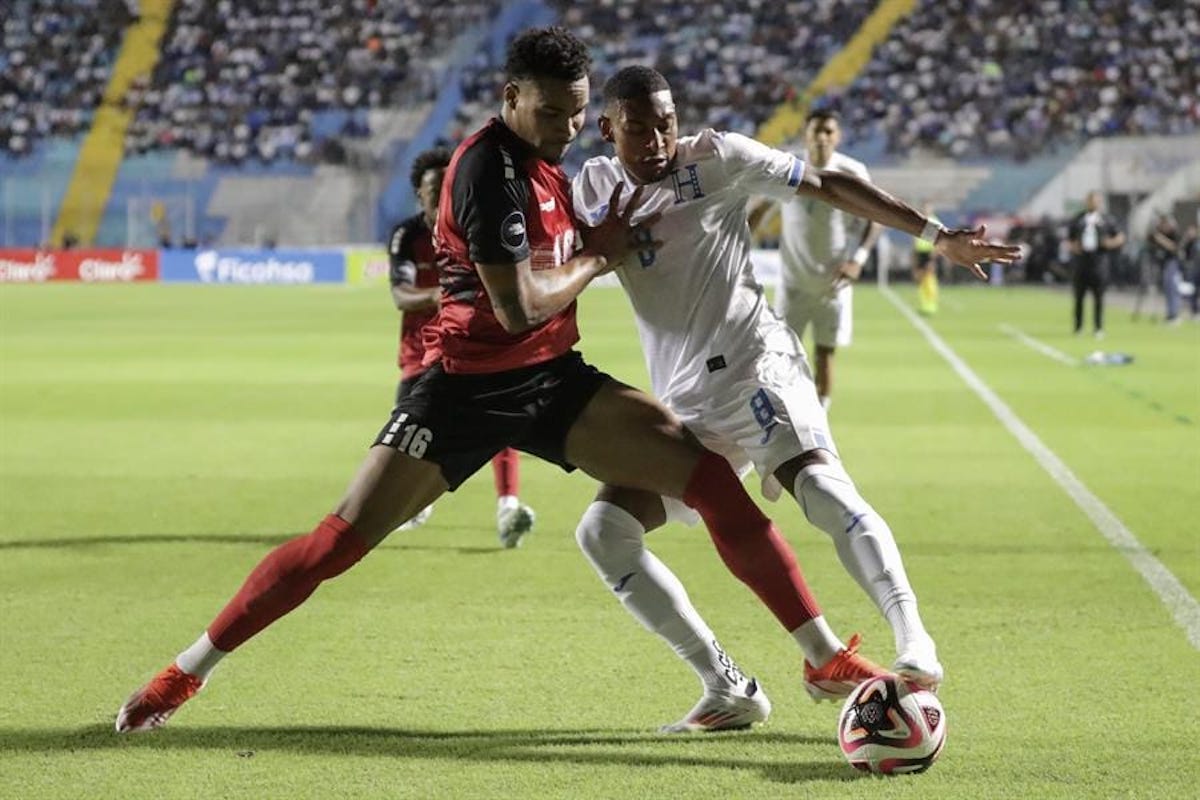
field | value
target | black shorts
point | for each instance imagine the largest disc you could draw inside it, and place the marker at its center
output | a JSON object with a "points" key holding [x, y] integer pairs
{"points": [[460, 421], [405, 386]]}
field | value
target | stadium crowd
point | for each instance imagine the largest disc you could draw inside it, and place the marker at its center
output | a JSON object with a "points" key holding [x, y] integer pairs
{"points": [[55, 59], [730, 65], [1016, 77], [244, 79]]}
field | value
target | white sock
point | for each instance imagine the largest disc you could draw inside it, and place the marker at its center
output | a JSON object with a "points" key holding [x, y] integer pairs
{"points": [[611, 538], [864, 544], [201, 658], [818, 641], [506, 502]]}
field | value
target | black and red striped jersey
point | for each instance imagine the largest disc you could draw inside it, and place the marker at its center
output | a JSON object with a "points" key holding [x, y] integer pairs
{"points": [[411, 262], [500, 204]]}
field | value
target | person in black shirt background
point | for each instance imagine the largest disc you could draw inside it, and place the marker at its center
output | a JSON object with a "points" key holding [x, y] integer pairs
{"points": [[1166, 250], [1091, 236]]}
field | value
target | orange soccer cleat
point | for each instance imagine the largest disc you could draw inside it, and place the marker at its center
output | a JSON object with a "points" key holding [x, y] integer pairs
{"points": [[844, 671], [152, 705]]}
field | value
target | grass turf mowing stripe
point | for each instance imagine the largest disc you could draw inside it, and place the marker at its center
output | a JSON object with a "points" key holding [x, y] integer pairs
{"points": [[1060, 356], [1041, 347], [1183, 607]]}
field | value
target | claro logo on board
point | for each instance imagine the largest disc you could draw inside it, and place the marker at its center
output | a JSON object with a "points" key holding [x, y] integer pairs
{"points": [[129, 268], [26, 266], [93, 265]]}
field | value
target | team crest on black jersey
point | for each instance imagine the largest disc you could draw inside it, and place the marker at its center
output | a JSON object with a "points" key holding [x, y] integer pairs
{"points": [[512, 231]]}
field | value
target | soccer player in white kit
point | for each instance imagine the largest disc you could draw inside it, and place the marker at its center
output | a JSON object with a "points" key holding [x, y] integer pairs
{"points": [[822, 250], [732, 371]]}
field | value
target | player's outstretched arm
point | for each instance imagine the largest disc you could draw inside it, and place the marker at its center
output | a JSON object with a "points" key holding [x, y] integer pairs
{"points": [[963, 246]]}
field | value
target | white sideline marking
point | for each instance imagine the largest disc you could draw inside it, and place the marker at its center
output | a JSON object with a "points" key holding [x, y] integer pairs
{"points": [[1041, 347], [1183, 607]]}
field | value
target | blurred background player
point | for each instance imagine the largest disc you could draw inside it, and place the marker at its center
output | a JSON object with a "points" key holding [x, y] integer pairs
{"points": [[732, 372], [417, 295], [925, 269], [1166, 249], [822, 251], [1091, 236], [1191, 265]]}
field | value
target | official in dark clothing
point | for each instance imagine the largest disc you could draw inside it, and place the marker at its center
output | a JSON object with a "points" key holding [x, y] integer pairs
{"points": [[1091, 236]]}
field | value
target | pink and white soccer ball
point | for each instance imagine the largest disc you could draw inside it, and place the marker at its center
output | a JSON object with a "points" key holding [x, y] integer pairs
{"points": [[891, 727]]}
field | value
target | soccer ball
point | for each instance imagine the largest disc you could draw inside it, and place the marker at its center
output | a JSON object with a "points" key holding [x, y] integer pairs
{"points": [[891, 726]]}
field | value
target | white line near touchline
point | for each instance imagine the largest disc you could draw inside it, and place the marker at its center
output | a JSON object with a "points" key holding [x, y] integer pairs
{"points": [[1041, 347], [1183, 607]]}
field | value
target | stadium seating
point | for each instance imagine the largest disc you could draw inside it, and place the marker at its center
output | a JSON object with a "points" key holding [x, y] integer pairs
{"points": [[55, 59], [730, 65], [260, 88], [287, 79], [1016, 78]]}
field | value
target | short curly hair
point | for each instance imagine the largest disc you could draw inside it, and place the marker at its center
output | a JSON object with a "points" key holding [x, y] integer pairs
{"points": [[552, 52], [435, 158], [633, 83]]}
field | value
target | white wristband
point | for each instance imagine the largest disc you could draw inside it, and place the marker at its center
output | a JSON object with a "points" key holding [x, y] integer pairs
{"points": [[931, 230], [860, 256]]}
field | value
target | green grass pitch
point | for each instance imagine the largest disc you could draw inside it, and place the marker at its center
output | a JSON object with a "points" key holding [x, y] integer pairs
{"points": [[156, 440]]}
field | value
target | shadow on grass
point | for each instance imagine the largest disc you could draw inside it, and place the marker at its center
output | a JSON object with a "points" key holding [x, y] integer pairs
{"points": [[588, 747], [394, 542]]}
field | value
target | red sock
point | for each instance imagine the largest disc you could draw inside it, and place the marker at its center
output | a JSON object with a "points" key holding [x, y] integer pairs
{"points": [[505, 467], [285, 579], [748, 542]]}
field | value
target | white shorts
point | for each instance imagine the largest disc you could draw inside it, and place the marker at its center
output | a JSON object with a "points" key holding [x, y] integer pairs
{"points": [[761, 419], [830, 314]]}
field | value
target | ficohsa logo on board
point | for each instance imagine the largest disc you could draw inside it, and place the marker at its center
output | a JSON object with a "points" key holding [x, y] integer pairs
{"points": [[212, 267], [26, 266]]}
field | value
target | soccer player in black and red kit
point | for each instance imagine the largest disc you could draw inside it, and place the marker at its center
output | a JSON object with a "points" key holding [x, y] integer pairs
{"points": [[501, 371], [415, 291]]}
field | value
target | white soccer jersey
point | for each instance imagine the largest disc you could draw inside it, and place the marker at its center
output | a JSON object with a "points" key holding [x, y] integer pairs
{"points": [[699, 309], [817, 237]]}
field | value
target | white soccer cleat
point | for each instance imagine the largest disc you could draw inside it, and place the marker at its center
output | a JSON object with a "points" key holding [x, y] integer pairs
{"points": [[725, 711], [513, 524], [420, 519], [918, 662]]}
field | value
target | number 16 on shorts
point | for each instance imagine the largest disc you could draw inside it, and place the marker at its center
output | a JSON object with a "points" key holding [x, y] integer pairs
{"points": [[414, 439]]}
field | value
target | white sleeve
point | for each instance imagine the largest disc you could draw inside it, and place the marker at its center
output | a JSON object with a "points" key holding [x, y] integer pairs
{"points": [[758, 169], [589, 206]]}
